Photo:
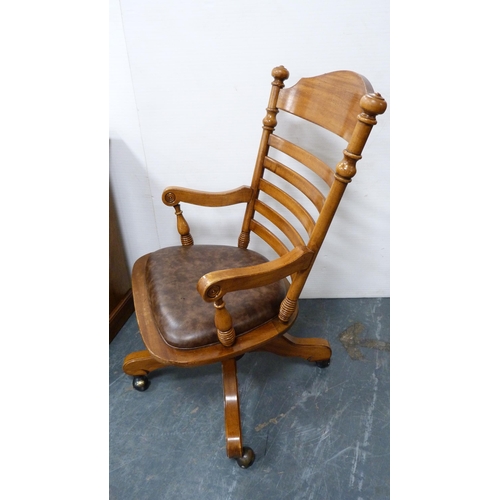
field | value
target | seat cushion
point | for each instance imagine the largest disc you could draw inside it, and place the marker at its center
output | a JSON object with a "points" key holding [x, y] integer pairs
{"points": [[182, 317]]}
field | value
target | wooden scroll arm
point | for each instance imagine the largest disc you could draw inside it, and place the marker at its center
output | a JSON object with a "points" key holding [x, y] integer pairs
{"points": [[174, 195], [214, 285]]}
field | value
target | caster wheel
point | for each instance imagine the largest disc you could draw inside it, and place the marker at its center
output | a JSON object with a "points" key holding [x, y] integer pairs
{"points": [[247, 459], [140, 383], [323, 364]]}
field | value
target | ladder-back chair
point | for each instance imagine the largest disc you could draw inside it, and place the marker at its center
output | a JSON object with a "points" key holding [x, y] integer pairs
{"points": [[210, 303]]}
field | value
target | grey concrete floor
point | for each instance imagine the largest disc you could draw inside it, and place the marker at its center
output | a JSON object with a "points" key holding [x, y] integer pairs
{"points": [[317, 433]]}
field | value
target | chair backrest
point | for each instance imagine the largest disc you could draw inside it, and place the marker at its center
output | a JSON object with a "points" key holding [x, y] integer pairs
{"points": [[341, 102]]}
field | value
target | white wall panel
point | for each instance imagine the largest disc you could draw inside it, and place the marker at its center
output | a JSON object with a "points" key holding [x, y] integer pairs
{"points": [[190, 87], [129, 177]]}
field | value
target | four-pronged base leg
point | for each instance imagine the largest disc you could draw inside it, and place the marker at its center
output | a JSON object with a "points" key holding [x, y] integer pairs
{"points": [[139, 364], [234, 446], [314, 350]]}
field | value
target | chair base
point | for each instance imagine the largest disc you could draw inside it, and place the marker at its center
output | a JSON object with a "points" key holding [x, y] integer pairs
{"points": [[139, 364], [234, 442], [313, 349]]}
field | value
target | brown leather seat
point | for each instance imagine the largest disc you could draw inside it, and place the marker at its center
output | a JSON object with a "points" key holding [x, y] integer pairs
{"points": [[183, 318]]}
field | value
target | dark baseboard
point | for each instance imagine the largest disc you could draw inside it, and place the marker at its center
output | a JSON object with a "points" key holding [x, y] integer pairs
{"points": [[120, 314]]}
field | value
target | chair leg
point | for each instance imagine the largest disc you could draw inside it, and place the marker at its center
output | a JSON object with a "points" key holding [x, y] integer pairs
{"points": [[314, 349], [139, 364], [234, 446]]}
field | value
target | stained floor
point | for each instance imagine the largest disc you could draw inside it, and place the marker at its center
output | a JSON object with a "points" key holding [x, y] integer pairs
{"points": [[317, 433]]}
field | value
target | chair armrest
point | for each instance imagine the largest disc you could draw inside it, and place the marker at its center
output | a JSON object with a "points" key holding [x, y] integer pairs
{"points": [[174, 195], [214, 285]]}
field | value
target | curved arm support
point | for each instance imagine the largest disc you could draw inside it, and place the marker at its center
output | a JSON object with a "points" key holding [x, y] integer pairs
{"points": [[216, 284], [174, 195]]}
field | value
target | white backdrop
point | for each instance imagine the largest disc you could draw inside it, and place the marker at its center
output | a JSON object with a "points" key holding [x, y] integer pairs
{"points": [[189, 84]]}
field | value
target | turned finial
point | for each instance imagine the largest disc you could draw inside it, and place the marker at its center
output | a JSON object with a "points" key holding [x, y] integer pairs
{"points": [[373, 104], [280, 74]]}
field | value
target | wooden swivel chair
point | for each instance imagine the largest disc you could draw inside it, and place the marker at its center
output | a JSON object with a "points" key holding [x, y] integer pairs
{"points": [[210, 303]]}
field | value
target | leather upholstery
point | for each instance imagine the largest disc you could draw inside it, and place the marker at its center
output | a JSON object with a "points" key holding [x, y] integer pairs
{"points": [[182, 317]]}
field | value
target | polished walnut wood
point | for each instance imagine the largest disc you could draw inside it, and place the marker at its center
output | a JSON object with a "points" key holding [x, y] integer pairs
{"points": [[341, 102], [183, 227], [310, 349], [174, 195], [234, 442]]}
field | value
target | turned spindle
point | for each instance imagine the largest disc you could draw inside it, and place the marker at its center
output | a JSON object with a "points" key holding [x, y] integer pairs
{"points": [[183, 227], [287, 308], [372, 105], [224, 324], [280, 74]]}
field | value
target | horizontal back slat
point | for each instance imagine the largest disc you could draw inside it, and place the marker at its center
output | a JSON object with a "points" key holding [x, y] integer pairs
{"points": [[287, 201], [275, 243], [280, 222], [302, 184], [301, 155], [340, 106]]}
